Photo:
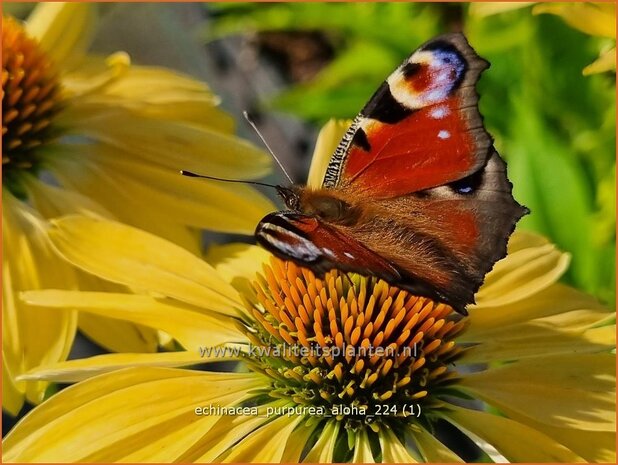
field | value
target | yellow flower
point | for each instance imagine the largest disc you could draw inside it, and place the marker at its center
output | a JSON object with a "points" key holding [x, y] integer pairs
{"points": [[536, 351], [596, 19], [83, 133]]}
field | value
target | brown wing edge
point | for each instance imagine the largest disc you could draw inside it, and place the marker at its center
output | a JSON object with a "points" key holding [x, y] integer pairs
{"points": [[498, 214]]}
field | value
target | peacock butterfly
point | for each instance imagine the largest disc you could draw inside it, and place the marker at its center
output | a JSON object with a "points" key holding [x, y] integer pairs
{"points": [[415, 193]]}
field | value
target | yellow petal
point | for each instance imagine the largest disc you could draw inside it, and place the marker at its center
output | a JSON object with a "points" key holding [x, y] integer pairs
{"points": [[12, 396], [116, 335], [266, 444], [193, 202], [93, 181], [522, 239], [554, 300], [296, 444], [433, 450], [167, 447], [521, 274], [163, 442], [575, 390], [91, 74], [587, 17], [484, 9], [564, 333], [393, 451], [191, 328], [195, 112], [107, 417], [594, 446], [238, 264], [603, 334], [53, 201], [362, 448], [163, 94], [325, 146], [515, 441], [170, 144], [154, 85], [31, 336], [606, 62], [324, 449], [226, 432], [73, 371], [126, 255], [64, 30]]}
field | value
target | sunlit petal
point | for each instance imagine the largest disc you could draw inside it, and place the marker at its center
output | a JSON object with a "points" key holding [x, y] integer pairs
{"points": [[266, 444], [555, 299], [92, 74], [393, 451], [324, 449], [297, 443], [31, 336], [564, 333], [594, 446], [52, 201], [76, 370], [362, 448], [132, 257], [521, 274], [178, 198], [491, 8], [162, 94], [191, 328], [170, 144], [531, 446], [108, 411], [238, 264], [327, 142], [606, 62], [575, 390], [94, 181], [226, 432], [64, 30], [118, 335], [12, 396]]}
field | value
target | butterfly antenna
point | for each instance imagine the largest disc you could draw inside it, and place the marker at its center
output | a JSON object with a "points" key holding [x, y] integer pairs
{"points": [[257, 131], [191, 174]]}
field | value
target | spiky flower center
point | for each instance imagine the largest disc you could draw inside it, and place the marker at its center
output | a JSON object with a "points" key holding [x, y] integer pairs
{"points": [[364, 351], [30, 99]]}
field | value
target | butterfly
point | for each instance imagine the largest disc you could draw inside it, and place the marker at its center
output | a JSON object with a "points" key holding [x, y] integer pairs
{"points": [[415, 193]]}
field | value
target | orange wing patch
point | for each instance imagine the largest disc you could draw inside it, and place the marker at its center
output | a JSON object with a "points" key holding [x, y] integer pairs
{"points": [[431, 147]]}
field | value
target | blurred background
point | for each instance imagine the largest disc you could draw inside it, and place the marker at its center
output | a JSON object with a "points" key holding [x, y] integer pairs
{"points": [[549, 98]]}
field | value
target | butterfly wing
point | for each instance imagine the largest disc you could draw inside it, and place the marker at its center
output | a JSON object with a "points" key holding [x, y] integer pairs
{"points": [[415, 193], [321, 246], [422, 127], [443, 240], [318, 245], [419, 158]]}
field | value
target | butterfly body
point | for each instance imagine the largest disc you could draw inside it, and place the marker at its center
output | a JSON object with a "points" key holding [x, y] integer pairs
{"points": [[415, 193]]}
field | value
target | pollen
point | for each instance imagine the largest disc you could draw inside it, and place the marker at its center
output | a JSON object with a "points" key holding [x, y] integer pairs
{"points": [[353, 341], [30, 98]]}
